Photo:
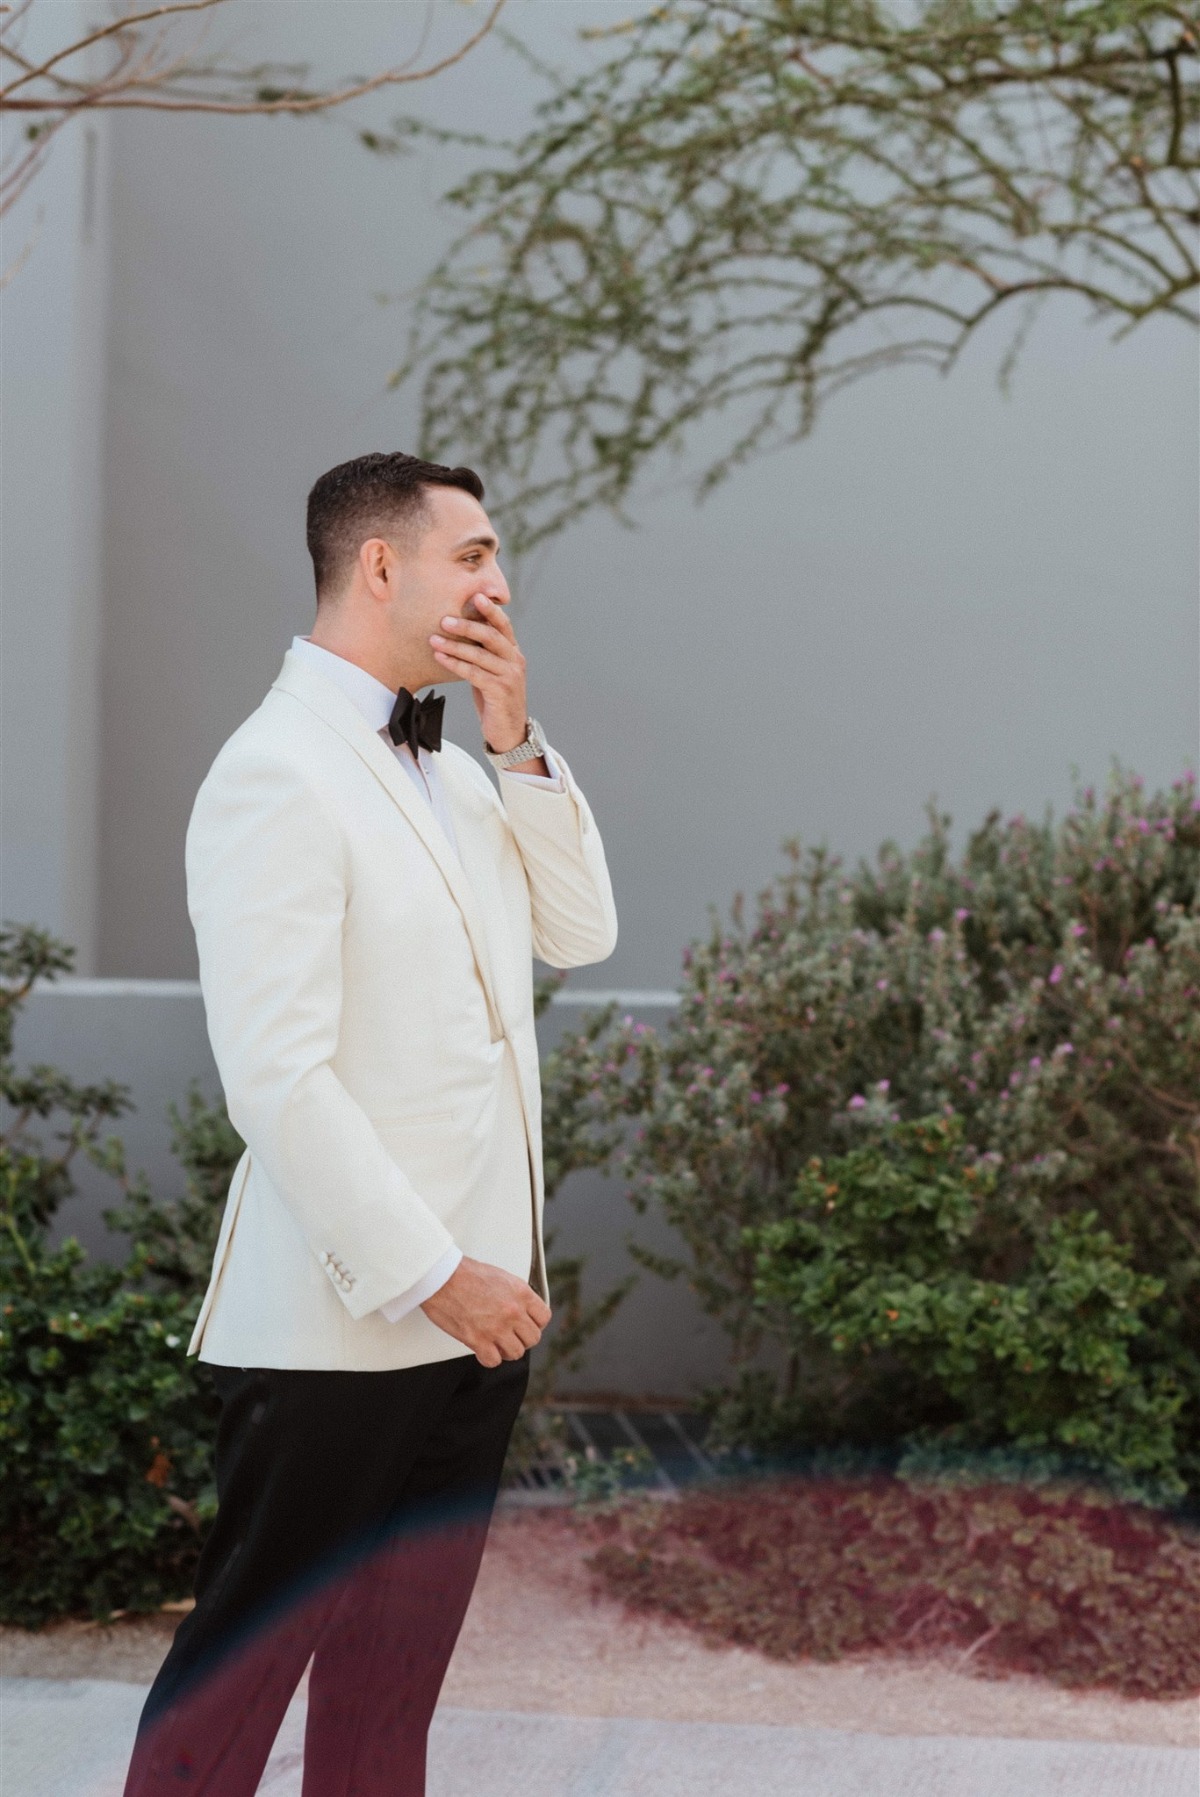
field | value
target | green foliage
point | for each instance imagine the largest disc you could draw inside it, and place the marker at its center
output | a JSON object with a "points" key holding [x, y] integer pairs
{"points": [[742, 206], [105, 1428], [1058, 1581], [596, 1479], [1039, 991], [105, 1434], [900, 1249], [177, 1240]]}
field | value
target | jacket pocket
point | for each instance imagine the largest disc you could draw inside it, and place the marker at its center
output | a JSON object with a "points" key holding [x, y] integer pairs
{"points": [[411, 1120]]}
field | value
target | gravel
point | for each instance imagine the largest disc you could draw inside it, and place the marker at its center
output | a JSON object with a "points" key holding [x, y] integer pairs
{"points": [[539, 1640]]}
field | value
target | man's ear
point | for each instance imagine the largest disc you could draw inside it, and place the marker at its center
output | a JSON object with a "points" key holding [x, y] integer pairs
{"points": [[377, 560]]}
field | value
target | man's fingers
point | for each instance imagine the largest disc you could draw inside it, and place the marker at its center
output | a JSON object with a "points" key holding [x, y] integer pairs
{"points": [[496, 615], [460, 630], [478, 653], [494, 1313], [519, 1339], [465, 670], [468, 667]]}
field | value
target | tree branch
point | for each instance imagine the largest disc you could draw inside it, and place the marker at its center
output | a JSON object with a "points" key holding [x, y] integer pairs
{"points": [[740, 172], [149, 70]]}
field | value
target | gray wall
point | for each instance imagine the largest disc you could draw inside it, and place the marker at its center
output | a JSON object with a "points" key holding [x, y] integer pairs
{"points": [[945, 591], [53, 320]]}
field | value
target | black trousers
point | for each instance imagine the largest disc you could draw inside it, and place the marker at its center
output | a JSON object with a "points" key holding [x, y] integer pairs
{"points": [[352, 1514]]}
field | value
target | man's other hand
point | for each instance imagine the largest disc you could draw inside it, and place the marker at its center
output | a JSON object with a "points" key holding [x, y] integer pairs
{"points": [[496, 1315]]}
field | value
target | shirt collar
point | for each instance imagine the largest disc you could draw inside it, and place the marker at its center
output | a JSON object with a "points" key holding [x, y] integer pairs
{"points": [[370, 696]]}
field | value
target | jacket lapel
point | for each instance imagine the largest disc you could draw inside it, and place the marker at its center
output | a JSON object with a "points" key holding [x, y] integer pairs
{"points": [[335, 709]]}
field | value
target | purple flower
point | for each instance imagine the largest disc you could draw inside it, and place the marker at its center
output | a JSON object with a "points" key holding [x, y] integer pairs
{"points": [[1035, 1061], [858, 1102], [1063, 1050], [1077, 930], [1056, 974], [961, 915], [881, 985]]}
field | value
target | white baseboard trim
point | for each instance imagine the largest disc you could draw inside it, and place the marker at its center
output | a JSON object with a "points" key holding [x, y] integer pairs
{"points": [[636, 998]]}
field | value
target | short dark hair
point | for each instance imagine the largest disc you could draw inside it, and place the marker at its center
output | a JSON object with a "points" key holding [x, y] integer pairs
{"points": [[376, 495]]}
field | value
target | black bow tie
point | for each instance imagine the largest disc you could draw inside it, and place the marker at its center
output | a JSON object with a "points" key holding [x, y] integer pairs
{"points": [[417, 722]]}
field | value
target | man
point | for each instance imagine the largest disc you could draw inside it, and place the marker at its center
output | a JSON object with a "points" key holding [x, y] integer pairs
{"points": [[366, 911]]}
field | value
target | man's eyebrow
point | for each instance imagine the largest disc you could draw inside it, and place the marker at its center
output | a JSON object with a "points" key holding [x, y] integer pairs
{"points": [[481, 542]]}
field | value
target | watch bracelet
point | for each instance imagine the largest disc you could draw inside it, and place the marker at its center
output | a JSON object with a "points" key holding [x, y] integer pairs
{"points": [[528, 750]]}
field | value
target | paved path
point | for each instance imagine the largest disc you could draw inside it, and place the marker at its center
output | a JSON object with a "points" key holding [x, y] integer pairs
{"points": [[70, 1738]]}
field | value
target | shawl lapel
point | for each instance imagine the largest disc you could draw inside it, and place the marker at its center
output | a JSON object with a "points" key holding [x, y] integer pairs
{"points": [[332, 706]]}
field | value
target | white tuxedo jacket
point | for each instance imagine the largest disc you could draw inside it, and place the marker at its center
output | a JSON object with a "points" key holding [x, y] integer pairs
{"points": [[369, 998]]}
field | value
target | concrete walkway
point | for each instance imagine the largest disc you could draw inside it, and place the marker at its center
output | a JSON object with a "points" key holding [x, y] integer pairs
{"points": [[70, 1738]]}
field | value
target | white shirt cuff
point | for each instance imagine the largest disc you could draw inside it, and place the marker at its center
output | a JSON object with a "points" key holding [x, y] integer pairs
{"points": [[434, 1280], [555, 783]]}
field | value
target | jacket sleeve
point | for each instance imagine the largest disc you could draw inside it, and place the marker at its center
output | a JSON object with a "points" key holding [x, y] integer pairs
{"points": [[267, 893], [574, 918]]}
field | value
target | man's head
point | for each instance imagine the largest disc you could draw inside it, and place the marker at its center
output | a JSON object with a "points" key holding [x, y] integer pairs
{"points": [[397, 544]]}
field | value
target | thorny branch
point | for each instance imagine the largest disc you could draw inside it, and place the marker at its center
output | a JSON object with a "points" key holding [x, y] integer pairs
{"points": [[748, 205], [150, 59]]}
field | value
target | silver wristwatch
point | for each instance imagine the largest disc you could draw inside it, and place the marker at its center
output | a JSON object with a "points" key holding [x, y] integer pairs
{"points": [[532, 749]]}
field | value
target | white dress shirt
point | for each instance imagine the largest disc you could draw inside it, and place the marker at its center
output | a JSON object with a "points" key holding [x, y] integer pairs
{"points": [[375, 701]]}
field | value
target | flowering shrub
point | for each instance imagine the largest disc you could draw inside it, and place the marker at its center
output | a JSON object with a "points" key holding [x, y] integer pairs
{"points": [[1040, 989]]}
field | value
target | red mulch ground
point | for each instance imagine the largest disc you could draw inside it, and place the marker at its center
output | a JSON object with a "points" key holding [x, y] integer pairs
{"points": [[1067, 1585]]}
